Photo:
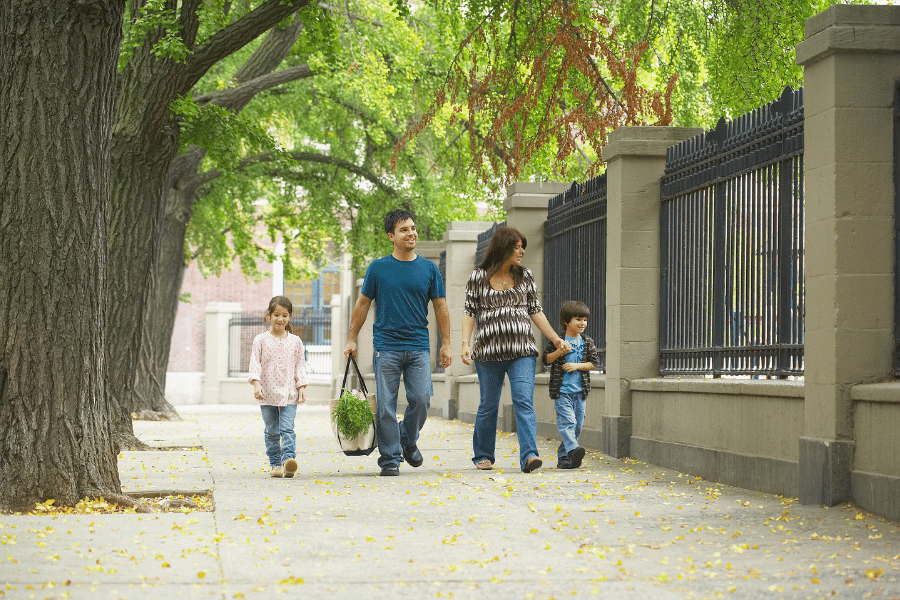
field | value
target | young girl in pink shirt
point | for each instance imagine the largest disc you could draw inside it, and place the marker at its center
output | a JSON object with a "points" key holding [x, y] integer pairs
{"points": [[278, 374]]}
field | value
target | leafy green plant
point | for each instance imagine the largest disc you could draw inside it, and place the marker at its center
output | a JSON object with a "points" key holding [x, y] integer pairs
{"points": [[352, 415]]}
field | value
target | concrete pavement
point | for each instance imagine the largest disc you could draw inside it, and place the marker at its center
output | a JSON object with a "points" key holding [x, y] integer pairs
{"points": [[613, 529]]}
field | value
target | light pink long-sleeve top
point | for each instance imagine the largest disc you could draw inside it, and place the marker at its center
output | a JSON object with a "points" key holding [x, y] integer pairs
{"points": [[279, 366]]}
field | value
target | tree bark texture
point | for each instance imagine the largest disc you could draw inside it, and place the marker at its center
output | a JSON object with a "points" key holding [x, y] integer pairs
{"points": [[57, 91]]}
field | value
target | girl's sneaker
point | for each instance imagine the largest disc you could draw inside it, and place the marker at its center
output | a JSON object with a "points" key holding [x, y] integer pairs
{"points": [[277, 471], [290, 467]]}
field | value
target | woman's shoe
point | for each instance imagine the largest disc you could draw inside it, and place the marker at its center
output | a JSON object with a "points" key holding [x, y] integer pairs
{"points": [[534, 463], [484, 465]]}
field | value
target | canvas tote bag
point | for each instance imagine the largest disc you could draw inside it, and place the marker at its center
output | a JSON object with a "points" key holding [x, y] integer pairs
{"points": [[365, 443]]}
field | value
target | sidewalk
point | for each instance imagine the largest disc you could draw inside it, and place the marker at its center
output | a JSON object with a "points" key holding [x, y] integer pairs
{"points": [[613, 529]]}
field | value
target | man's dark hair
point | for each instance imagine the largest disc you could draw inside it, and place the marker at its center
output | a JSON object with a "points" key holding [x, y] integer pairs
{"points": [[571, 309], [395, 216]]}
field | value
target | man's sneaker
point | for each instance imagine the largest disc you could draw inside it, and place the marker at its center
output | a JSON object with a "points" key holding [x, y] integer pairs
{"points": [[290, 467], [563, 463], [390, 471], [412, 455], [576, 457], [276, 471]]}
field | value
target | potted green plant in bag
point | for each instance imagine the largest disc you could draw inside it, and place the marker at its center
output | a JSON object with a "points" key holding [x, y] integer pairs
{"points": [[353, 415]]}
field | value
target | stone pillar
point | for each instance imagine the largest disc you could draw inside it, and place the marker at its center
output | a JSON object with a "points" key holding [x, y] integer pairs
{"points": [[217, 347], [636, 159], [851, 59], [526, 210], [461, 243]]}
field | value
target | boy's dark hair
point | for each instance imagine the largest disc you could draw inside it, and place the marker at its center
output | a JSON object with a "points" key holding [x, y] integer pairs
{"points": [[395, 216], [571, 309]]}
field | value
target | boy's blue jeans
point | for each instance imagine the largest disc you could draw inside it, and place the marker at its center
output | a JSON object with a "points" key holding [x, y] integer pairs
{"points": [[569, 419], [280, 437], [415, 367]]}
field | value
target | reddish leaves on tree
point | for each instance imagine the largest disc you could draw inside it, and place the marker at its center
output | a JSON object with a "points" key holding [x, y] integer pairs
{"points": [[566, 82]]}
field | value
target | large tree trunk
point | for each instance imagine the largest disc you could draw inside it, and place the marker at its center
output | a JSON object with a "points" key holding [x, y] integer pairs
{"points": [[168, 273], [144, 144], [148, 400], [57, 94]]}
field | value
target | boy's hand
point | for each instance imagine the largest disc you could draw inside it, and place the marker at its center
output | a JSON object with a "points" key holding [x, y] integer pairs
{"points": [[569, 367]]}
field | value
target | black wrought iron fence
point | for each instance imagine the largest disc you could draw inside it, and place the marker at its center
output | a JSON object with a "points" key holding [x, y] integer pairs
{"points": [[575, 256], [313, 327], [732, 249], [484, 240]]}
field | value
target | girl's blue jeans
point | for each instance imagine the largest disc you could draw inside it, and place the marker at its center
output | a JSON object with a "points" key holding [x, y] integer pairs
{"points": [[521, 385], [279, 432]]}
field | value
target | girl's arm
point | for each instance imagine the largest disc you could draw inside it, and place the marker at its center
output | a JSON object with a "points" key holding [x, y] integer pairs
{"points": [[300, 379], [255, 368]]}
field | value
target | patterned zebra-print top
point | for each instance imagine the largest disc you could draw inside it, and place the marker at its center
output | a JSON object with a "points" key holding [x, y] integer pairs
{"points": [[502, 323]]}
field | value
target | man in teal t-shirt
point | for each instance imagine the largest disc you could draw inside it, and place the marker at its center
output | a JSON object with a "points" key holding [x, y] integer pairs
{"points": [[401, 284]]}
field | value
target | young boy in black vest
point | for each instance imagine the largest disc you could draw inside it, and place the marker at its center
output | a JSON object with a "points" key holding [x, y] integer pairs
{"points": [[570, 381]]}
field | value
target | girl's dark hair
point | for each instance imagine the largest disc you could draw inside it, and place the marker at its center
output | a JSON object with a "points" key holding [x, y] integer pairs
{"points": [[285, 303], [395, 216], [503, 242], [571, 309]]}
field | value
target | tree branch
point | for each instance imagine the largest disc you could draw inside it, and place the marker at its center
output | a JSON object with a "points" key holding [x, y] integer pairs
{"points": [[237, 98], [266, 58], [300, 156], [235, 36]]}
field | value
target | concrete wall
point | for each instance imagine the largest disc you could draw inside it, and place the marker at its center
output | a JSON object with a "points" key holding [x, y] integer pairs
{"points": [[737, 431]]}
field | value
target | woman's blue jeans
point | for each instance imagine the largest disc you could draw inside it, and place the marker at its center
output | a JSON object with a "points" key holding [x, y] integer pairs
{"points": [[280, 438], [521, 385]]}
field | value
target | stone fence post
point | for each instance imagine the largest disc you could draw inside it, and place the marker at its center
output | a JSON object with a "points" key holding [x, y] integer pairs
{"points": [[851, 60], [217, 347], [636, 159]]}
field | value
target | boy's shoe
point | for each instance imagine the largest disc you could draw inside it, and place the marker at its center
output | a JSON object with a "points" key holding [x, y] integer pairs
{"points": [[576, 456], [563, 463], [276, 471], [412, 455], [290, 467], [390, 471]]}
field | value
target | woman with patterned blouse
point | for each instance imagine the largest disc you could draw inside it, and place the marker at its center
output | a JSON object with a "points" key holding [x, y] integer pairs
{"points": [[501, 303]]}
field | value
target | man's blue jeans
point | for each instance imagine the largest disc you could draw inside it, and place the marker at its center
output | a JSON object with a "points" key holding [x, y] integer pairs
{"points": [[280, 438], [521, 385], [415, 367], [569, 419]]}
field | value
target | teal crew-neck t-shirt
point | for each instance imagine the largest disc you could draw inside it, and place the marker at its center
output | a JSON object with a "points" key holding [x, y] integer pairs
{"points": [[401, 291]]}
